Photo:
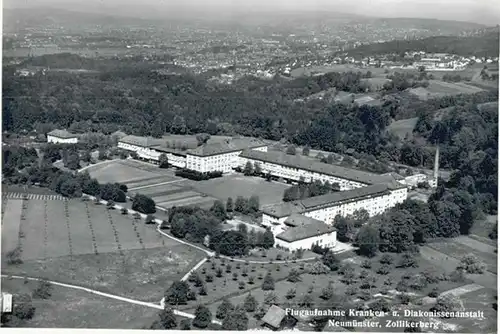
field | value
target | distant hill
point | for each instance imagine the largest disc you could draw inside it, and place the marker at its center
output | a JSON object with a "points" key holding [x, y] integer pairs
{"points": [[441, 27], [18, 18], [482, 45]]}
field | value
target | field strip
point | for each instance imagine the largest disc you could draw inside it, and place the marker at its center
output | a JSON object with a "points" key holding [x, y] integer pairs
{"points": [[463, 290], [108, 295], [477, 245], [10, 227], [97, 164], [156, 184], [181, 202], [156, 193], [175, 197]]}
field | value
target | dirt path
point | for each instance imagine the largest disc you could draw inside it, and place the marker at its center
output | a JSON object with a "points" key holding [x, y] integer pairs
{"points": [[107, 295]]}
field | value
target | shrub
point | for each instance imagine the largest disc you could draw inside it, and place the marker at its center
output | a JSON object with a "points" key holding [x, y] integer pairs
{"points": [[471, 265], [434, 293], [366, 264], [387, 259], [268, 283], [241, 285], [290, 294], [43, 290], [383, 269], [124, 211]]}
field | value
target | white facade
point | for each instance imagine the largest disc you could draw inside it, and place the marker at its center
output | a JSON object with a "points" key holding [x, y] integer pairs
{"points": [[374, 205], [297, 174], [328, 240], [59, 140], [224, 162], [176, 160], [154, 155], [414, 180]]}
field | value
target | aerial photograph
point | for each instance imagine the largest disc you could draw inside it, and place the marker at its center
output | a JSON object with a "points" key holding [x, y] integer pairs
{"points": [[261, 165]]}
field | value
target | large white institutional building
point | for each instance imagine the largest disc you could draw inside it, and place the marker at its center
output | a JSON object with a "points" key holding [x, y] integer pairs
{"points": [[218, 156], [298, 224], [61, 137]]}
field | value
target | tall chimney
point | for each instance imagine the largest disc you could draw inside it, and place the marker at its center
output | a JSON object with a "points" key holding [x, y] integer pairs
{"points": [[436, 165]]}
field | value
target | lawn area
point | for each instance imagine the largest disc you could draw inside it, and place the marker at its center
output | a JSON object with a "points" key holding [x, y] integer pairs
{"points": [[139, 274], [86, 244], [460, 249], [403, 127], [483, 227], [69, 308], [130, 172], [239, 185], [74, 227], [438, 88]]}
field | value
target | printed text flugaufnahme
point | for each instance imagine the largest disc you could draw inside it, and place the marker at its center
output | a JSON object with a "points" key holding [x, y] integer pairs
{"points": [[371, 313]]}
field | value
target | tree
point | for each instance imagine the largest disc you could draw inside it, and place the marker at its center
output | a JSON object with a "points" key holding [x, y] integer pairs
{"points": [[408, 260], [177, 294], [447, 303], [267, 239], [167, 320], [268, 283], [203, 317], [248, 170], [143, 204], [43, 290], [317, 268], [250, 303], [185, 324], [218, 210], [257, 170], [290, 294], [471, 264], [102, 155], [368, 240], [163, 161], [305, 151], [328, 292], [291, 150], [306, 301], [86, 156], [387, 259], [202, 138], [345, 228], [241, 205], [237, 320], [331, 261], [23, 307], [253, 203], [230, 243], [293, 276], [397, 234], [229, 204]]}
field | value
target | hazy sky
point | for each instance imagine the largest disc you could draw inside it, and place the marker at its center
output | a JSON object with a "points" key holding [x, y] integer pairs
{"points": [[481, 11]]}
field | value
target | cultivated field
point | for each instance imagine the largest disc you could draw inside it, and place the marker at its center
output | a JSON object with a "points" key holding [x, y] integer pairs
{"points": [[305, 71], [440, 88], [239, 185], [70, 308], [83, 243]]}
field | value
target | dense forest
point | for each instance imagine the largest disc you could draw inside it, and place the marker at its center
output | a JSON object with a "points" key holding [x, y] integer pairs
{"points": [[485, 45], [139, 100]]}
